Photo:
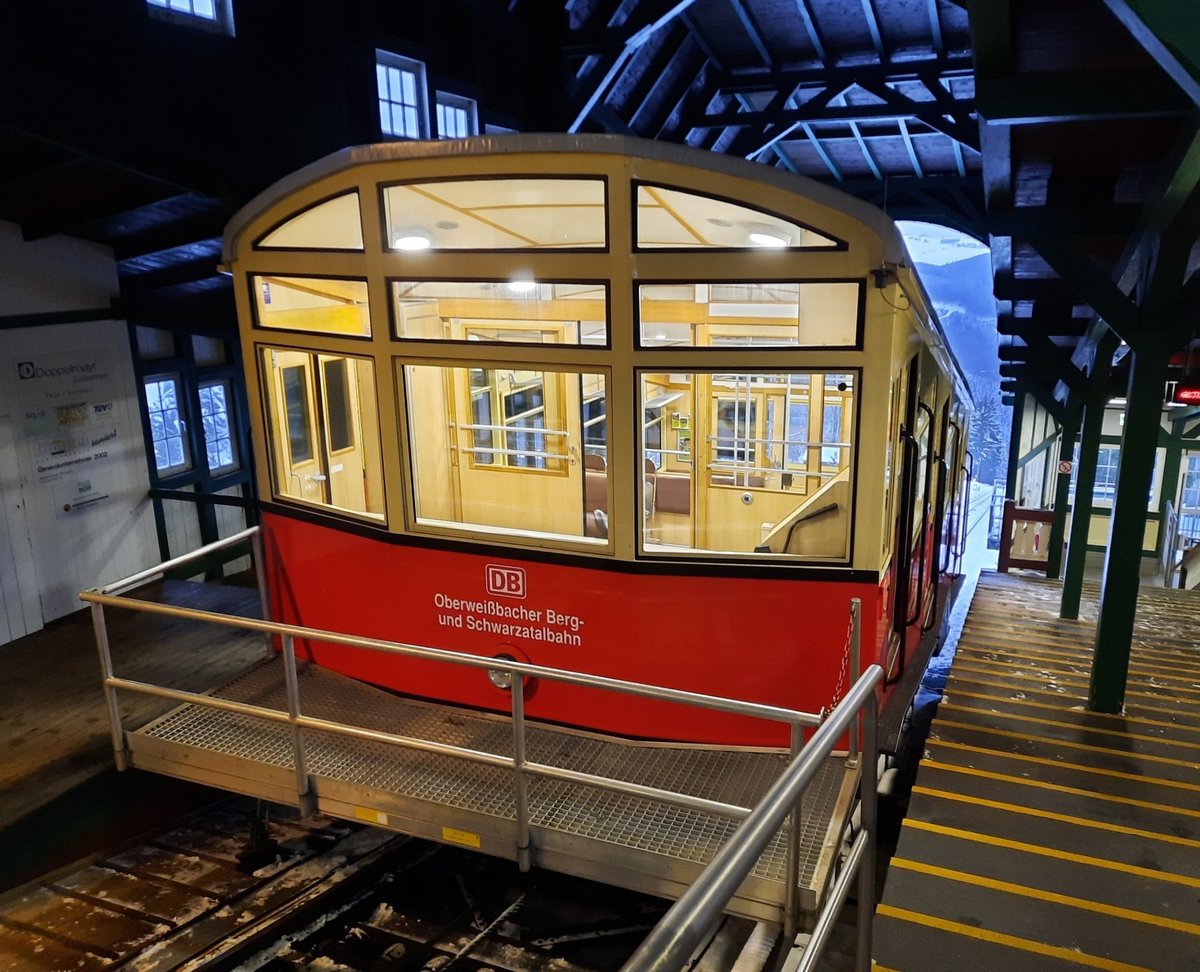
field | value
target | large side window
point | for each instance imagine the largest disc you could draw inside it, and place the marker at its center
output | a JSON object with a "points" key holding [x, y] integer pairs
{"points": [[522, 455], [748, 463]]}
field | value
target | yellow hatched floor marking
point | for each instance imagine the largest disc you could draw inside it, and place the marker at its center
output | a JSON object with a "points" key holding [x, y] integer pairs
{"points": [[937, 764], [962, 693], [1013, 670], [1008, 734], [1054, 853], [1012, 941], [1059, 817], [1023, 652], [1076, 647], [1058, 764], [957, 676], [999, 668], [1017, 717], [1053, 897]]}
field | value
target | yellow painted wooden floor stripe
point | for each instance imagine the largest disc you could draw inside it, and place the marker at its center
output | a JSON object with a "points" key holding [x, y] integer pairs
{"points": [[1053, 897], [956, 677], [1137, 720], [1058, 787], [1058, 817], [1071, 682], [1053, 852], [1137, 667], [1012, 941], [1070, 744], [1059, 764], [1017, 717], [1018, 670]]}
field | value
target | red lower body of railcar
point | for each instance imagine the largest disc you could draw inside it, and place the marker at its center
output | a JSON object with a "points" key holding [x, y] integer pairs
{"points": [[778, 641]]}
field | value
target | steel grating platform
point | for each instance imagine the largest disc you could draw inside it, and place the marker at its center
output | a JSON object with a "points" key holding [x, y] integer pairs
{"points": [[617, 838]]}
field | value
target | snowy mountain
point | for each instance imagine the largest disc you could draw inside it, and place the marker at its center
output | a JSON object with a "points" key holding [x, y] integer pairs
{"points": [[956, 272]]}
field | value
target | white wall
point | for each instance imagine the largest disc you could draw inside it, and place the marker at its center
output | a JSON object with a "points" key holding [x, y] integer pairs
{"points": [[73, 481]]}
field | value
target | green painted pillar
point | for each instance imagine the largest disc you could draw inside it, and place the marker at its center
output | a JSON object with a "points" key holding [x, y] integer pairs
{"points": [[1096, 393], [1062, 492], [1014, 445], [1081, 511], [1122, 562]]}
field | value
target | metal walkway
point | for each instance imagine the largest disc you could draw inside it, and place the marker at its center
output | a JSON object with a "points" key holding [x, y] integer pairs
{"points": [[1041, 836], [619, 838]]}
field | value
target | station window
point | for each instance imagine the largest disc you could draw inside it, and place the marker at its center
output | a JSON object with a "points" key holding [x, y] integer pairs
{"points": [[676, 219], [501, 449], [754, 463], [324, 430], [1108, 461], [208, 14], [456, 116], [1189, 499], [400, 83], [777, 314], [496, 214], [218, 434], [507, 312], [167, 433], [334, 224], [316, 304]]}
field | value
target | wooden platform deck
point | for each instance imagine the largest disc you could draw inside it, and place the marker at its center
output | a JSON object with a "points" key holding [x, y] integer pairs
{"points": [[59, 791], [1041, 836]]}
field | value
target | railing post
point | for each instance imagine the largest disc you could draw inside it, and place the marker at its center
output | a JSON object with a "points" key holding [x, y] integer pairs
{"points": [[260, 574], [867, 796], [110, 694], [293, 700], [791, 890], [520, 779], [855, 671]]}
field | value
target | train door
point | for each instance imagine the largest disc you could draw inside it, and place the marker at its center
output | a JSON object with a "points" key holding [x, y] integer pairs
{"points": [[324, 429], [518, 439], [292, 384], [342, 421], [914, 437]]}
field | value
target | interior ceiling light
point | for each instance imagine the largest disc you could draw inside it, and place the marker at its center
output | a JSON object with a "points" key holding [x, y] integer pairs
{"points": [[769, 236], [521, 286], [412, 240]]}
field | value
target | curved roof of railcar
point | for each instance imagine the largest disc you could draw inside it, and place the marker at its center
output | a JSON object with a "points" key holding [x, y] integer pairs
{"points": [[871, 217]]}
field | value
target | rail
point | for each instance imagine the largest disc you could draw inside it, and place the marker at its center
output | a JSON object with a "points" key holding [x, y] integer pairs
{"points": [[681, 930], [114, 595]]}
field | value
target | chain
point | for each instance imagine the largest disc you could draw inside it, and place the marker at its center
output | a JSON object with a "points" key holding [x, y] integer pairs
{"points": [[840, 688]]}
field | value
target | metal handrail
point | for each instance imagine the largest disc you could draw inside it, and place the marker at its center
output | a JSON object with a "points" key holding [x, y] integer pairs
{"points": [[517, 671], [689, 921], [755, 710]]}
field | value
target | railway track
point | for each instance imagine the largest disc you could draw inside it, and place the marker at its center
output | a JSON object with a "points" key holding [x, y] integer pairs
{"points": [[234, 887]]}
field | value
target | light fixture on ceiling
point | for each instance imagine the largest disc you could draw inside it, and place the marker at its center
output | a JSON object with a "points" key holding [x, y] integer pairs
{"points": [[412, 240], [523, 285], [770, 237]]}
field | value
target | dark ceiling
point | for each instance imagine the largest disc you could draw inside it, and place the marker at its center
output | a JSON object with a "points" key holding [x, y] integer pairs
{"points": [[1062, 133]]}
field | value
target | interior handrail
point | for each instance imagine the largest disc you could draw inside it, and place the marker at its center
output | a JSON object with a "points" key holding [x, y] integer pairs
{"points": [[687, 923]]}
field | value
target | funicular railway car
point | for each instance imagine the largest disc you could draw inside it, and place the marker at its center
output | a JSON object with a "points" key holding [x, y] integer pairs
{"points": [[602, 405]]}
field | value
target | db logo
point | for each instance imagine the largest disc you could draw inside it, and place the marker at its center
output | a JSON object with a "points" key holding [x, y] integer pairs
{"points": [[505, 581], [25, 369]]}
